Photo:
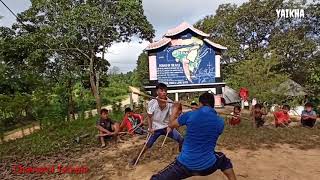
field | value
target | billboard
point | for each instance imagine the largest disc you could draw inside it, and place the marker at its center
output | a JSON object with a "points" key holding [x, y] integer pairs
{"points": [[185, 61]]}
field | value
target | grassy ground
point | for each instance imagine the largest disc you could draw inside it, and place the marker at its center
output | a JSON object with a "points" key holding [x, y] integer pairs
{"points": [[53, 140], [245, 136]]}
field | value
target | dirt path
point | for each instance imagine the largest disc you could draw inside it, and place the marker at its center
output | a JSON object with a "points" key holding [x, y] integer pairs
{"points": [[280, 163]]}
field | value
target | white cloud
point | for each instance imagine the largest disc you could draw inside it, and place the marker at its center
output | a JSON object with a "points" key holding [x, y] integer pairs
{"points": [[125, 55], [16, 6], [166, 14]]}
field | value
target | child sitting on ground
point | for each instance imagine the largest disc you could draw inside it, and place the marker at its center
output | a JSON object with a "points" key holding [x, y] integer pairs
{"points": [[308, 116], [235, 116], [281, 117], [132, 122], [106, 127], [258, 115]]}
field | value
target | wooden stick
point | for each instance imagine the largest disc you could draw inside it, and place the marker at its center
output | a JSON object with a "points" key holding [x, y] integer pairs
{"points": [[144, 146], [133, 129], [165, 138], [102, 135], [151, 97]]}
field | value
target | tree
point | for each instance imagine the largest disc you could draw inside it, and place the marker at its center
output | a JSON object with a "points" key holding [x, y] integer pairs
{"points": [[142, 70], [86, 29], [244, 29], [259, 77], [253, 28], [313, 80]]}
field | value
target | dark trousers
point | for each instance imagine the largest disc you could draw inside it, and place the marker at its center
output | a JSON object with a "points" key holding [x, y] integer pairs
{"points": [[177, 171], [174, 134], [259, 122], [308, 122]]}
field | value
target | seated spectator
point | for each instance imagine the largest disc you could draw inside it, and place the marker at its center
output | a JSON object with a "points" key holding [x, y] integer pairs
{"points": [[308, 116], [132, 122], [106, 127], [258, 115], [235, 116], [281, 117]]}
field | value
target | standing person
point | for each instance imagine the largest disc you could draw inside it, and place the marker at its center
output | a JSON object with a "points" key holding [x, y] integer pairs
{"points": [[258, 115], [132, 122], [198, 157], [282, 117], [253, 103], [158, 118], [308, 116], [106, 127]]}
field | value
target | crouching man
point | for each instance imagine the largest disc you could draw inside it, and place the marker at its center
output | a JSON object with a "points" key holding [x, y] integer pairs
{"points": [[197, 157]]}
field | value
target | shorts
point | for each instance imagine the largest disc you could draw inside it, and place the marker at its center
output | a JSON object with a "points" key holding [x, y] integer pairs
{"points": [[174, 134], [177, 171], [308, 122], [259, 122]]}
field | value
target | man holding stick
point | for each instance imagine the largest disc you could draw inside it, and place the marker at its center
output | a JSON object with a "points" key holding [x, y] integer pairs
{"points": [[159, 111], [198, 157]]}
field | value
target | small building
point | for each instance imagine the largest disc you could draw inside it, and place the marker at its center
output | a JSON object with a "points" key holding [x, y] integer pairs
{"points": [[186, 61]]}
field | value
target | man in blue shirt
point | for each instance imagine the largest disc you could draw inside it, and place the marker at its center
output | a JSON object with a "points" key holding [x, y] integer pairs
{"points": [[197, 157]]}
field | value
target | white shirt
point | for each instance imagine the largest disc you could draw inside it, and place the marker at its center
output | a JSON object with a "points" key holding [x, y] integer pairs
{"points": [[160, 118], [254, 102]]}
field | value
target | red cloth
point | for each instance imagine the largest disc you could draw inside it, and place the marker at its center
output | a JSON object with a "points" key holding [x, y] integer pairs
{"points": [[244, 93], [281, 117], [136, 119]]}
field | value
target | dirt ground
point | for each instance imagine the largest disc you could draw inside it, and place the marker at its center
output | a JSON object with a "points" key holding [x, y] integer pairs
{"points": [[281, 163]]}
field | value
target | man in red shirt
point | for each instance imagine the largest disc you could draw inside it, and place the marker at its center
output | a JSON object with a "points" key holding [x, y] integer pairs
{"points": [[282, 117], [132, 122]]}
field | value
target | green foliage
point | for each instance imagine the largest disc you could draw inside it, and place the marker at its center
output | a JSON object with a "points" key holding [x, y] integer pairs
{"points": [[253, 28], [142, 70], [49, 68], [259, 77], [314, 78]]}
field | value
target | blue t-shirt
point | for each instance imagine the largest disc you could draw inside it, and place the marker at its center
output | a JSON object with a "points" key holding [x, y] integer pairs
{"points": [[203, 129]]}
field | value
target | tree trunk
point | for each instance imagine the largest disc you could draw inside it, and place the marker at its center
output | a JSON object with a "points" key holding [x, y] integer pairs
{"points": [[71, 107], [94, 82]]}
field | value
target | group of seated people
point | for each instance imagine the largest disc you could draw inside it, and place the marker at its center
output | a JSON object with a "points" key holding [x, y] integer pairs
{"points": [[132, 123], [281, 117]]}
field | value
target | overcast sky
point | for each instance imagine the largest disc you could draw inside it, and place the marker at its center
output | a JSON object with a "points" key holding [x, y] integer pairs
{"points": [[163, 15]]}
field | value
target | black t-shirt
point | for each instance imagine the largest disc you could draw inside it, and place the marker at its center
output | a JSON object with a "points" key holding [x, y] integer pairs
{"points": [[105, 123]]}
